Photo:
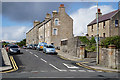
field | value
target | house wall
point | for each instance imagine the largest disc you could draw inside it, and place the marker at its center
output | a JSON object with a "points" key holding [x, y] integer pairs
{"points": [[101, 29], [109, 29], [115, 30], [65, 27]]}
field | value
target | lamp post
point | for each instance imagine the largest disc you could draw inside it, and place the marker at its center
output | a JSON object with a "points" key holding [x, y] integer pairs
{"points": [[97, 37]]}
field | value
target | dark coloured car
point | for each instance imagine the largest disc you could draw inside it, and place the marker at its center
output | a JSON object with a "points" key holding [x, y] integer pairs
{"points": [[35, 46], [13, 49]]}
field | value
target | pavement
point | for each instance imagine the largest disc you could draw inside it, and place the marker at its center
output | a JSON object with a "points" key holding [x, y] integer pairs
{"points": [[1, 60], [89, 63], [6, 64]]}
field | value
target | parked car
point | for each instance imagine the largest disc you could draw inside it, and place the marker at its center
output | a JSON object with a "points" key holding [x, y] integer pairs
{"points": [[35, 46], [29, 46], [24, 47], [41, 45], [13, 49], [49, 49], [7, 46]]}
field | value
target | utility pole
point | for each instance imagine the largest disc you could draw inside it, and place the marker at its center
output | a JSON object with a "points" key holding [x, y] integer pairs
{"points": [[44, 32], [97, 37]]}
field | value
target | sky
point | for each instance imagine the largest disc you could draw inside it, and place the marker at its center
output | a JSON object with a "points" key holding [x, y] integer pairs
{"points": [[18, 17]]}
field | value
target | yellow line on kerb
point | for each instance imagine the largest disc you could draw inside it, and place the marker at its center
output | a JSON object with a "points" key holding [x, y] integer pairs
{"points": [[95, 69], [13, 64]]}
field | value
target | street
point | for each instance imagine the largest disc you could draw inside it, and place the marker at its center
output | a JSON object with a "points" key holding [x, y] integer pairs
{"points": [[35, 64]]}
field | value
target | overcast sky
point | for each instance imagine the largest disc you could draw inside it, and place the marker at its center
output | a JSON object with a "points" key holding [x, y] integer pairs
{"points": [[18, 17]]}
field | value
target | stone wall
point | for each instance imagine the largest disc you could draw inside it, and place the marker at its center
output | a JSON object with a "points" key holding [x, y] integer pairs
{"points": [[90, 54], [73, 47], [109, 57]]}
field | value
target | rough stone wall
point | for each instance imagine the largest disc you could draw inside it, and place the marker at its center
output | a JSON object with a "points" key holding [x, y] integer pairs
{"points": [[109, 57], [73, 47], [103, 57], [65, 27], [90, 54], [109, 29], [115, 30], [48, 32], [101, 29]]}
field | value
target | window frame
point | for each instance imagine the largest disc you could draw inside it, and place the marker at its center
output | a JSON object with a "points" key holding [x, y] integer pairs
{"points": [[117, 23], [104, 24], [56, 23], [56, 31]]}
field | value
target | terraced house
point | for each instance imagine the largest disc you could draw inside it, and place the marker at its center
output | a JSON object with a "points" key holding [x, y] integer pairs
{"points": [[54, 29], [109, 24]]}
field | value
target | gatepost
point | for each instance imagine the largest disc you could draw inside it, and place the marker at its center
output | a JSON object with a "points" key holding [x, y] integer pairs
{"points": [[112, 57], [82, 51]]}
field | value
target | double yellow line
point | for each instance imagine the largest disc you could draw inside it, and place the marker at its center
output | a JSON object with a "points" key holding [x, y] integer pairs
{"points": [[15, 68], [95, 69]]}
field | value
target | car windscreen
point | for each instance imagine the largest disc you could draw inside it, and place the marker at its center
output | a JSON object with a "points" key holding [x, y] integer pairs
{"points": [[13, 46], [50, 46], [35, 44]]}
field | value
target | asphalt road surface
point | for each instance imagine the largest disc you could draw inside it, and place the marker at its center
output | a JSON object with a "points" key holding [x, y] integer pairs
{"points": [[35, 64]]}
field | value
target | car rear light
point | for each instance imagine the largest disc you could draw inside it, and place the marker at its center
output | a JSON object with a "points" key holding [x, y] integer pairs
{"points": [[41, 47]]}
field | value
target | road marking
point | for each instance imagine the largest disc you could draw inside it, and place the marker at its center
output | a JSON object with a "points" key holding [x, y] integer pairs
{"points": [[70, 66], [43, 60], [54, 67], [24, 72], [81, 70], [63, 70], [15, 68], [99, 71], [34, 71], [35, 55], [90, 71], [43, 71], [72, 70], [31, 53]]}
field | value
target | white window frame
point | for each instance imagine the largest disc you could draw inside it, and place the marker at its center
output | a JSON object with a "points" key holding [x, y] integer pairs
{"points": [[56, 31], [55, 22]]}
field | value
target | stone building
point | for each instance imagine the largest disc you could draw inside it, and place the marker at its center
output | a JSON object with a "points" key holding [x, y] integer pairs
{"points": [[53, 29], [109, 24], [32, 34]]}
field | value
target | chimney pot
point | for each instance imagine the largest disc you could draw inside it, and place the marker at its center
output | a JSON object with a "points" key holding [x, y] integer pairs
{"points": [[99, 11], [61, 5]]}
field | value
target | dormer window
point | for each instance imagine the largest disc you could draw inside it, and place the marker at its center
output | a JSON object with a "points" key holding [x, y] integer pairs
{"points": [[56, 22]]}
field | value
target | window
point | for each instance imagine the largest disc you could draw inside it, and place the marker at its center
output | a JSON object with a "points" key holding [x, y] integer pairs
{"points": [[56, 22], [104, 24], [65, 42], [103, 34], [54, 31], [116, 23], [92, 28], [41, 37]]}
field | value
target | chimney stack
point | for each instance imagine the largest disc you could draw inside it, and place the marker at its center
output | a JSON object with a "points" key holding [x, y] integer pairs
{"points": [[54, 13], [61, 8], [99, 13], [36, 22], [48, 16]]}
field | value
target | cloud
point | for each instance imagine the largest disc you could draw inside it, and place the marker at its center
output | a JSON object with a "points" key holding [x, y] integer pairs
{"points": [[28, 11], [14, 33], [83, 16]]}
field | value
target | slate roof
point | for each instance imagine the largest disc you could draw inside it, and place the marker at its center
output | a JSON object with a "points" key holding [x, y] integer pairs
{"points": [[103, 17]]}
